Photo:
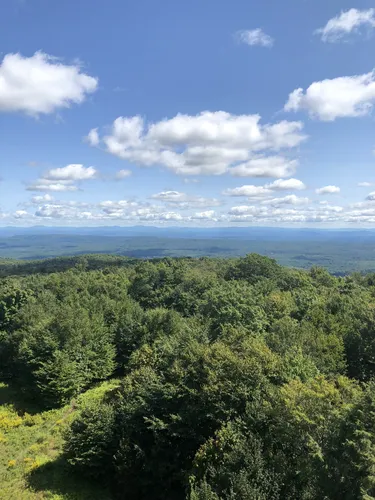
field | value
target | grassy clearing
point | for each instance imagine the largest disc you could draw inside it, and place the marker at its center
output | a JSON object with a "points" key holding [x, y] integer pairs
{"points": [[31, 462]]}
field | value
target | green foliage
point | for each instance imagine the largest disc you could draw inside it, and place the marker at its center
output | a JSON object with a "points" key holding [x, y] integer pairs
{"points": [[65, 352], [233, 303], [232, 465], [254, 268], [32, 466], [240, 379], [90, 440]]}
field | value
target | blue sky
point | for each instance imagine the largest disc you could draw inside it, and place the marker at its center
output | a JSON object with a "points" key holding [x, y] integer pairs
{"points": [[187, 113]]}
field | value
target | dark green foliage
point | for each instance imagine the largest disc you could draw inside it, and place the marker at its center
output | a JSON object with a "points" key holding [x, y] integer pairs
{"points": [[254, 268], [350, 466], [240, 379], [232, 465], [90, 441], [233, 304]]}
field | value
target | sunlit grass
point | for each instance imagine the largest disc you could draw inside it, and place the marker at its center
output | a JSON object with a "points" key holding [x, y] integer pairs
{"points": [[31, 462]]}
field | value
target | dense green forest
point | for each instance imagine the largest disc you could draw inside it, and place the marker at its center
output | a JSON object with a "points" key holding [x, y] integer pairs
{"points": [[196, 379]]}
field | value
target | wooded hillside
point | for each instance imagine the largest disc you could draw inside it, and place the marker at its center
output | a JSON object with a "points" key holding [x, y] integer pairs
{"points": [[235, 379]]}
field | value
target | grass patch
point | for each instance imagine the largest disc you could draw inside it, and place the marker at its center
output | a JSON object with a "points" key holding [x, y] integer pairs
{"points": [[31, 462]]}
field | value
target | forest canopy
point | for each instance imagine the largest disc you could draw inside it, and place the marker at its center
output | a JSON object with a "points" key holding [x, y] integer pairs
{"points": [[238, 378]]}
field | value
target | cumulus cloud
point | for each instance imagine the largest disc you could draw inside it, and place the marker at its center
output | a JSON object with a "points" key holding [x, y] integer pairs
{"points": [[271, 166], [58, 211], [249, 191], [122, 210], [41, 84], [93, 137], [74, 172], [210, 143], [163, 216], [346, 23], [171, 196], [328, 190], [184, 200], [286, 184], [347, 96], [41, 198], [254, 37], [207, 215], [333, 208], [371, 196], [290, 199], [63, 179], [274, 214], [49, 185], [21, 214], [288, 210], [364, 184], [267, 190], [120, 207], [105, 210], [244, 210], [122, 174]]}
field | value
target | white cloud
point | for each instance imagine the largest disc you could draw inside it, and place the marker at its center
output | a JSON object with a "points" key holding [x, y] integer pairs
{"points": [[171, 196], [346, 23], [327, 190], [371, 196], [254, 37], [191, 181], [41, 84], [274, 214], [63, 179], [333, 208], [271, 166], [249, 191], [163, 216], [290, 199], [41, 198], [223, 130], [57, 211], [103, 211], [74, 172], [184, 201], [207, 215], [347, 96], [252, 191], [93, 137], [117, 207], [244, 210], [77, 212], [49, 185], [210, 143], [364, 184], [286, 184], [287, 210], [21, 214], [122, 174]]}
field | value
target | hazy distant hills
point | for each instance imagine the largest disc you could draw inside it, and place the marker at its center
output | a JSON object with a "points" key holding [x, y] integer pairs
{"points": [[341, 251], [245, 233]]}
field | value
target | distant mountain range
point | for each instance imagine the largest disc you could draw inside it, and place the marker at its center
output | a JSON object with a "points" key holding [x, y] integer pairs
{"points": [[339, 250], [243, 233]]}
